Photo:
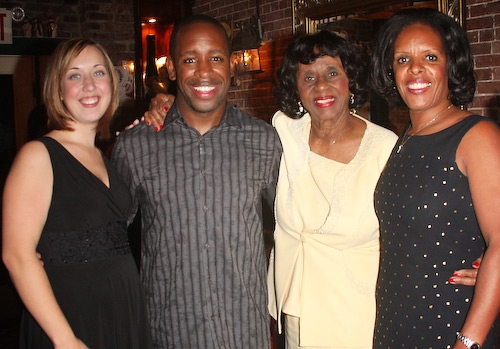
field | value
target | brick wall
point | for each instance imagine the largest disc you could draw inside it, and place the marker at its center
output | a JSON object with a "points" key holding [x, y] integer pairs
{"points": [[483, 29], [253, 93], [110, 22]]}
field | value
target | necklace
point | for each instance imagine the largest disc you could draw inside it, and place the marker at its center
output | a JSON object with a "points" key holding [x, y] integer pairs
{"points": [[339, 135], [407, 137], [329, 147]]}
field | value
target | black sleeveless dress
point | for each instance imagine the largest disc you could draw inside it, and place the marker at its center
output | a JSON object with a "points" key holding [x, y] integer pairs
{"points": [[87, 258], [428, 229]]}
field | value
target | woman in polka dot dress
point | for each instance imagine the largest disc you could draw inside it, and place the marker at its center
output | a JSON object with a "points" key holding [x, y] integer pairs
{"points": [[438, 199]]}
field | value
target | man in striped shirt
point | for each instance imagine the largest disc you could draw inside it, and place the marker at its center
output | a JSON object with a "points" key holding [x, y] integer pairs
{"points": [[199, 183]]}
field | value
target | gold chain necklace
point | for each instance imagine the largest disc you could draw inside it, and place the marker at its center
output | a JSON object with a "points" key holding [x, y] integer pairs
{"points": [[420, 129]]}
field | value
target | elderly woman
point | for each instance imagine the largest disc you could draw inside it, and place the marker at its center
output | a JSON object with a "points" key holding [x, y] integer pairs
{"points": [[438, 199], [324, 266]]}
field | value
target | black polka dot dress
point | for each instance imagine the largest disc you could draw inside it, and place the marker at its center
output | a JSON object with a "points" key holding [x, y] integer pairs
{"points": [[428, 229]]}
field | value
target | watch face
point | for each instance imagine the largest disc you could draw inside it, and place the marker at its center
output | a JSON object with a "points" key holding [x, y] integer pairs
{"points": [[475, 346]]}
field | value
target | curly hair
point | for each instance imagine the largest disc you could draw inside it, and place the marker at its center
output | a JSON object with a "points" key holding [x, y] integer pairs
{"points": [[459, 59], [305, 50]]}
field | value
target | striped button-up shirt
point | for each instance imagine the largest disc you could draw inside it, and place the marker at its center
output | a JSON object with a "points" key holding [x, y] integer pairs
{"points": [[203, 262]]}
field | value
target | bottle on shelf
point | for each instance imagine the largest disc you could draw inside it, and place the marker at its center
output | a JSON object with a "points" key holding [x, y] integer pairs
{"points": [[151, 70]]}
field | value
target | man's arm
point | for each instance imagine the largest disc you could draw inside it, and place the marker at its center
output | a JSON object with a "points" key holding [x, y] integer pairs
{"points": [[122, 163], [270, 190]]}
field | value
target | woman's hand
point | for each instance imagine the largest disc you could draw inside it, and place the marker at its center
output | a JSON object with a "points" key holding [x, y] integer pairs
{"points": [[158, 108], [466, 277], [134, 123]]}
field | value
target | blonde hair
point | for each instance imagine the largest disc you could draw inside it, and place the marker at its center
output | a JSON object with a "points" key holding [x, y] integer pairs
{"points": [[59, 117]]}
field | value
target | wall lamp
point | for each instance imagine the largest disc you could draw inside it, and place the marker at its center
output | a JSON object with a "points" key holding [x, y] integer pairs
{"points": [[246, 45]]}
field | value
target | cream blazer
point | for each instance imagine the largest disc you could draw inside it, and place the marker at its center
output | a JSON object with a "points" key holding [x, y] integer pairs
{"points": [[324, 266]]}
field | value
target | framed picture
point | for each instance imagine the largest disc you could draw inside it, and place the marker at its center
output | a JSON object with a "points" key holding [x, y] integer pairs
{"points": [[453, 8], [125, 75], [307, 14]]}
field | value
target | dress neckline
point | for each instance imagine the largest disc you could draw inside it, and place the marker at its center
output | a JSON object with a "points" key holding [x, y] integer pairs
{"points": [[82, 165]]}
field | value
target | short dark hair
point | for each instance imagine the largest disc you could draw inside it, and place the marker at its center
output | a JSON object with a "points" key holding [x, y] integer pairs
{"points": [[194, 19], [305, 50], [459, 59]]}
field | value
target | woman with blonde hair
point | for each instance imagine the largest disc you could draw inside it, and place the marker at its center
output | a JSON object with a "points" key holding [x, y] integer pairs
{"points": [[64, 200]]}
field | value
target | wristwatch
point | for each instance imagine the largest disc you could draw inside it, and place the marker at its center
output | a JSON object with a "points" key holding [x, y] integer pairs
{"points": [[469, 343]]}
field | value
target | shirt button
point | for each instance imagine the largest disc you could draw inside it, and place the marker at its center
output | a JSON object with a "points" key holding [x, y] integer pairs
{"points": [[203, 172], [207, 245], [205, 208]]}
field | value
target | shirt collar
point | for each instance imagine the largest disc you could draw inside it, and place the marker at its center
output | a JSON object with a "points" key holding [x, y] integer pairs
{"points": [[230, 116]]}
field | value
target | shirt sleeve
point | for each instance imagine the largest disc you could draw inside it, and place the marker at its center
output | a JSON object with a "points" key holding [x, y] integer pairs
{"points": [[270, 190], [124, 167]]}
